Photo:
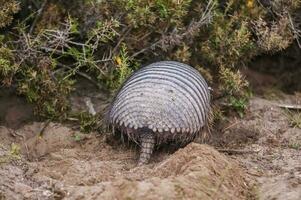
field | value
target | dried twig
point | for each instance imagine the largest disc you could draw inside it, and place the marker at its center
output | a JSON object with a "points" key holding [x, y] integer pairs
{"points": [[39, 13], [297, 33], [47, 50], [237, 151], [121, 39], [44, 127], [86, 76], [231, 125], [289, 106]]}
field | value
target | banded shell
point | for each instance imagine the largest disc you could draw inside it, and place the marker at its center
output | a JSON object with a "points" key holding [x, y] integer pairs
{"points": [[165, 97]]}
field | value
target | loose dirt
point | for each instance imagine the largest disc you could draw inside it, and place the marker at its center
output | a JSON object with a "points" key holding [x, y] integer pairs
{"points": [[254, 157], [56, 166], [269, 148]]}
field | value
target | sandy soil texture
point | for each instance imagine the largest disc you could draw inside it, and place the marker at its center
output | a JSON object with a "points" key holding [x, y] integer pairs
{"points": [[254, 157]]}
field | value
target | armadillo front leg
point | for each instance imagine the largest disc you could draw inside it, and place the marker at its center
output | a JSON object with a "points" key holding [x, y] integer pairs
{"points": [[147, 142]]}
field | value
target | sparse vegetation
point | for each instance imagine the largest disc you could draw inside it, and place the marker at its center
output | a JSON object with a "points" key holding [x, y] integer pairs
{"points": [[235, 88], [77, 137], [14, 153], [294, 118], [294, 145], [87, 122]]}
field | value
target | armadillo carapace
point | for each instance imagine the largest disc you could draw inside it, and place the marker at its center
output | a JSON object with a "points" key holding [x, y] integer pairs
{"points": [[164, 101]]}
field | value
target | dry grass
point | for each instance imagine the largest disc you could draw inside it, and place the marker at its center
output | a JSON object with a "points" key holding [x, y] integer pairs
{"points": [[294, 118]]}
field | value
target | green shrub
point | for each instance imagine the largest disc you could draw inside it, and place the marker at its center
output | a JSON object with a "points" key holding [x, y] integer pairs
{"points": [[235, 88], [44, 52], [7, 10]]}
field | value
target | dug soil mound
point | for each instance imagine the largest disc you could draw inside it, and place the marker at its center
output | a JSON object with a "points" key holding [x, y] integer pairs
{"points": [[258, 157], [64, 164]]}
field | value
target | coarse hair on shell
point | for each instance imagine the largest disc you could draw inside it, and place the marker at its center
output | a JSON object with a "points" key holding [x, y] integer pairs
{"points": [[162, 102]]}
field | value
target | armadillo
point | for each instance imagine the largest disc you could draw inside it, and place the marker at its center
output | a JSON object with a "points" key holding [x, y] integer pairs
{"points": [[162, 102]]}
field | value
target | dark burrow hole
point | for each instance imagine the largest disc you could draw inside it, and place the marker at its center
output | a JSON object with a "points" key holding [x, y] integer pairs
{"points": [[281, 71]]}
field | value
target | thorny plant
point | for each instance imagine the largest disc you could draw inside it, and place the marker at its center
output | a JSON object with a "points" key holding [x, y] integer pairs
{"points": [[8, 8], [235, 88], [40, 58], [43, 53]]}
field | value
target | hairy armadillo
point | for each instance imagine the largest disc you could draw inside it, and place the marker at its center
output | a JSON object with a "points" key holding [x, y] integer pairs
{"points": [[163, 101]]}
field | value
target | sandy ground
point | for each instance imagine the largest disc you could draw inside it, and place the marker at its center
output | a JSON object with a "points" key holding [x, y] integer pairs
{"points": [[271, 149], [256, 157], [55, 166]]}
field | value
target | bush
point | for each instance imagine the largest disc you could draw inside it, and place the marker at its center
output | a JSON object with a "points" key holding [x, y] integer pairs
{"points": [[7, 10], [44, 52]]}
